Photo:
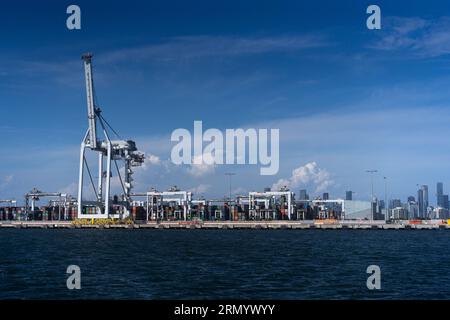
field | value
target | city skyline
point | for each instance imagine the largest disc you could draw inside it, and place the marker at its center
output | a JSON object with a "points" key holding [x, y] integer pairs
{"points": [[348, 195]]}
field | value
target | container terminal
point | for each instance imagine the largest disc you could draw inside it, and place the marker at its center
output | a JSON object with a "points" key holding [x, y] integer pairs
{"points": [[176, 208]]}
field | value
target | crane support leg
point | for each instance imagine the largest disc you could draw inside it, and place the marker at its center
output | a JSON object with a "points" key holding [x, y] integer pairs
{"points": [[100, 177], [108, 179], [80, 180]]}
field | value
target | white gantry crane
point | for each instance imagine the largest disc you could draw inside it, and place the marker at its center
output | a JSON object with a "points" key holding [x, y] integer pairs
{"points": [[13, 202], [113, 150], [35, 195]]}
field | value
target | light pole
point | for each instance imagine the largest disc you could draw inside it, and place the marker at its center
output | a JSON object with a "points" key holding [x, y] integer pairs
{"points": [[371, 180], [230, 174]]}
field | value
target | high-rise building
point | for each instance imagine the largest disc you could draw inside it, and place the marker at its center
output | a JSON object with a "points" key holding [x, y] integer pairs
{"points": [[375, 208], [413, 209], [325, 196], [422, 199], [349, 195], [425, 200], [439, 189], [399, 213], [303, 195], [395, 203], [420, 202], [439, 194], [443, 201]]}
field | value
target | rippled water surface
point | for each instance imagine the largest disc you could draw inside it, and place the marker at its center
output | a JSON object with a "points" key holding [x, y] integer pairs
{"points": [[224, 264]]}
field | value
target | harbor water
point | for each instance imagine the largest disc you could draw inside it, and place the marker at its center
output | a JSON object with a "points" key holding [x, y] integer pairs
{"points": [[224, 264]]}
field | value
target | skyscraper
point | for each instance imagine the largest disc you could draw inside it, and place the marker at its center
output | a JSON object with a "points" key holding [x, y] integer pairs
{"points": [[439, 194], [395, 203], [442, 199], [420, 202], [413, 208], [326, 196], [439, 189], [303, 195], [425, 198], [422, 197], [349, 195]]}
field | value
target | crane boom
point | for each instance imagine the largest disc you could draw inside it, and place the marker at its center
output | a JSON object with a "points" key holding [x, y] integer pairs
{"points": [[87, 57]]}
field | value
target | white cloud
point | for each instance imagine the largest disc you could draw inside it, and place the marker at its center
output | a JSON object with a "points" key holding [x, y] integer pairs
{"points": [[153, 159], [309, 175], [185, 48], [150, 161], [199, 170], [71, 189], [201, 188], [422, 38]]}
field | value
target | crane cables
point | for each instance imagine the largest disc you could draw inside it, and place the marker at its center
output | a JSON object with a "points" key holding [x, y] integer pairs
{"points": [[99, 115], [115, 161], [102, 119]]}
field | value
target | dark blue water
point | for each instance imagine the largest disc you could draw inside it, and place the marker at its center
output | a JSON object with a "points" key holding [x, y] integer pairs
{"points": [[224, 264]]}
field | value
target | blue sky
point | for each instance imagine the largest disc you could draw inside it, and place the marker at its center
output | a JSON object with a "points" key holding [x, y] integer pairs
{"points": [[345, 98]]}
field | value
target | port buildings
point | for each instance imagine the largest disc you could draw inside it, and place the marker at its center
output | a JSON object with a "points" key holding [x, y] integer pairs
{"points": [[175, 204], [179, 205]]}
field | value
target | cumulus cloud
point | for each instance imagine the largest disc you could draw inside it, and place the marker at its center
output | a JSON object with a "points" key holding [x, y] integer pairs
{"points": [[201, 188], [150, 161], [309, 175], [204, 168], [71, 189]]}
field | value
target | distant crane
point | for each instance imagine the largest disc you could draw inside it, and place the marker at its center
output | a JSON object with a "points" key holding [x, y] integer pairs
{"points": [[113, 150], [35, 195], [8, 201]]}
